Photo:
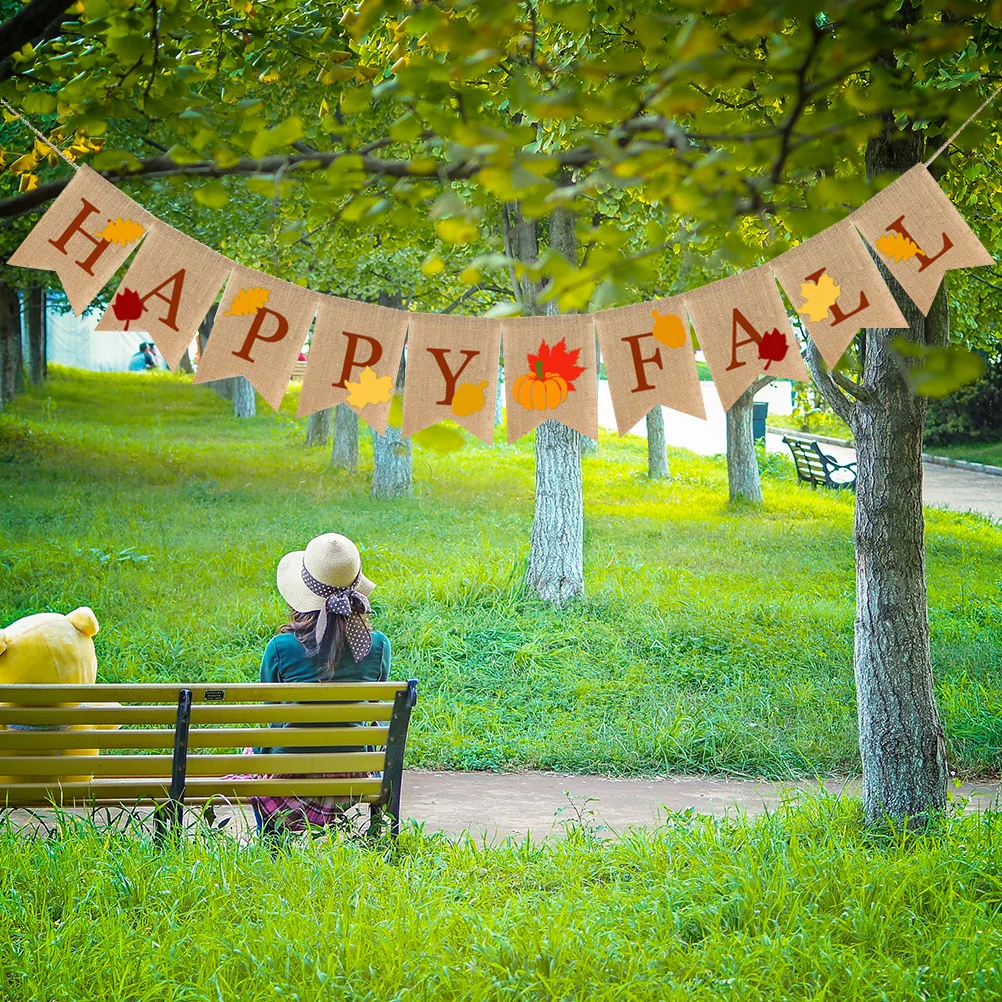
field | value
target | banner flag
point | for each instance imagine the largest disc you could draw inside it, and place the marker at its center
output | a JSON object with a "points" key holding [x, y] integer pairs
{"points": [[649, 360], [85, 237], [744, 332], [167, 291], [836, 288], [452, 372], [354, 357], [258, 332], [918, 234], [549, 372]]}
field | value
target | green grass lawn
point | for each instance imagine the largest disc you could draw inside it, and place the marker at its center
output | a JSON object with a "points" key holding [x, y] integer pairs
{"points": [[714, 638], [989, 453], [802, 904]]}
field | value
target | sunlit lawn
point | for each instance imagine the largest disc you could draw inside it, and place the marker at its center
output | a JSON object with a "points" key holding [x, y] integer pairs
{"points": [[712, 638]]}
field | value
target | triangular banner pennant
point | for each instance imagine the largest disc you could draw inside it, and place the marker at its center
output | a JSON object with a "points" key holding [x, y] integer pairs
{"points": [[836, 288], [85, 237], [354, 356], [744, 331], [919, 235], [452, 372], [549, 373], [649, 360], [167, 291], [258, 332]]}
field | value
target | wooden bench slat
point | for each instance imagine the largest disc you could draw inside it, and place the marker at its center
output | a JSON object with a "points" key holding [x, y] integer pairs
{"points": [[204, 713], [160, 692], [134, 766], [205, 737], [134, 790]]}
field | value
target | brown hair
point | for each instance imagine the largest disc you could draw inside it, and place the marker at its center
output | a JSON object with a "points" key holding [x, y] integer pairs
{"points": [[328, 655]]}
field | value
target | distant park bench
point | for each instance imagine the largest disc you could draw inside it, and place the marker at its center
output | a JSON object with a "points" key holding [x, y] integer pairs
{"points": [[44, 763], [298, 370], [819, 469]]}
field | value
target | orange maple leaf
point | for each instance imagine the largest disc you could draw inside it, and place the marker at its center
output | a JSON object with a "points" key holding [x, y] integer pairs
{"points": [[369, 389], [122, 231], [247, 302], [897, 246]]}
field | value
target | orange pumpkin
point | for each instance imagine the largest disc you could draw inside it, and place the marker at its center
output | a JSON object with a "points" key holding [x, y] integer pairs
{"points": [[536, 392]]}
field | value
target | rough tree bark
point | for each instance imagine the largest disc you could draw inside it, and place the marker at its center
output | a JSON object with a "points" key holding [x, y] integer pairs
{"points": [[318, 427], [344, 451], [11, 356], [391, 454], [900, 735], [36, 323], [556, 563], [242, 394], [743, 481], [657, 449]]}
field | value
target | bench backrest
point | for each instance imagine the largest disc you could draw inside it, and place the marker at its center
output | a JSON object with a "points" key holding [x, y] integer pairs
{"points": [[94, 744], [810, 461]]}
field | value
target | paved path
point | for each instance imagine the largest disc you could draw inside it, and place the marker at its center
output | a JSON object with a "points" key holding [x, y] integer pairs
{"points": [[943, 486]]}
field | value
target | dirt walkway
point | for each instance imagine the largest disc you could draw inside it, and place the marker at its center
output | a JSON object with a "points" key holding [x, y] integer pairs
{"points": [[498, 804], [492, 805]]}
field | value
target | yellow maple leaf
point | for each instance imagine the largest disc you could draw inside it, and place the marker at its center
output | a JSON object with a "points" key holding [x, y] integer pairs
{"points": [[122, 231], [819, 297], [370, 389], [898, 246], [29, 182], [247, 302]]}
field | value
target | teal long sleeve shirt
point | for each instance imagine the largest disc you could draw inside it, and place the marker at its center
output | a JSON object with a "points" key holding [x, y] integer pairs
{"points": [[285, 660]]}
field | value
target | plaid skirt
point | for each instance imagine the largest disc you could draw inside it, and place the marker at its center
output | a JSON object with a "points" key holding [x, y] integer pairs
{"points": [[296, 814]]}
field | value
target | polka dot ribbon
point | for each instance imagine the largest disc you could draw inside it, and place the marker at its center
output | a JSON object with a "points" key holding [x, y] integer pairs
{"points": [[345, 602]]}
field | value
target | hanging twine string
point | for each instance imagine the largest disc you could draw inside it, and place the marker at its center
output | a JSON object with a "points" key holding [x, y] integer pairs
{"points": [[970, 118], [48, 142]]}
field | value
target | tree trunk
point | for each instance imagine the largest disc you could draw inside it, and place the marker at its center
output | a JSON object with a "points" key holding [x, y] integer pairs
{"points": [[499, 396], [743, 482], [318, 427], [36, 322], [556, 564], [223, 387], [184, 365], [11, 356], [244, 403], [345, 449], [901, 742], [391, 454], [657, 450]]}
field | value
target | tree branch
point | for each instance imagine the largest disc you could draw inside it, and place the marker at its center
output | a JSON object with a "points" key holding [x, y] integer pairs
{"points": [[29, 22], [841, 404]]}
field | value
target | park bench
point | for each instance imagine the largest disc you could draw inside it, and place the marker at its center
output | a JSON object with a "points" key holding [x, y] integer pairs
{"points": [[817, 468], [205, 727], [298, 370]]}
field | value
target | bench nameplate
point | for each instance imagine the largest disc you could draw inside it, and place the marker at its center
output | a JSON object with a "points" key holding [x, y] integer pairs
{"points": [[214, 695]]}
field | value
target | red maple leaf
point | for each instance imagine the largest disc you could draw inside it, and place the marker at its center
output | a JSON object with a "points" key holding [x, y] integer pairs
{"points": [[557, 360], [127, 306], [773, 347]]}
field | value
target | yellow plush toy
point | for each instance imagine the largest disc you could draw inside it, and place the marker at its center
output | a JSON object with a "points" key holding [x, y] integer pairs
{"points": [[50, 648]]}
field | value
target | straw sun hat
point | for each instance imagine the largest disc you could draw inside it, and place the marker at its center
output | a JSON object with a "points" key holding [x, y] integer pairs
{"points": [[331, 560]]}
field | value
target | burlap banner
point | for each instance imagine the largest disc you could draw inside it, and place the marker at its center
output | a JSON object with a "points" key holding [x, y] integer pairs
{"points": [[452, 372], [649, 360], [918, 234], [744, 332], [167, 291], [258, 332], [549, 372], [836, 288], [85, 237], [354, 356]]}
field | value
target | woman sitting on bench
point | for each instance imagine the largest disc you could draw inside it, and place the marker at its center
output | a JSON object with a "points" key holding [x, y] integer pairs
{"points": [[327, 639]]}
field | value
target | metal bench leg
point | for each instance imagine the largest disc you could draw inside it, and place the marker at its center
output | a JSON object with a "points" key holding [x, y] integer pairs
{"points": [[170, 816]]}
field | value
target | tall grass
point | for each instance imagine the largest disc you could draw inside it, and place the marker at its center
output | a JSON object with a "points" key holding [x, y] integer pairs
{"points": [[801, 904], [713, 638]]}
